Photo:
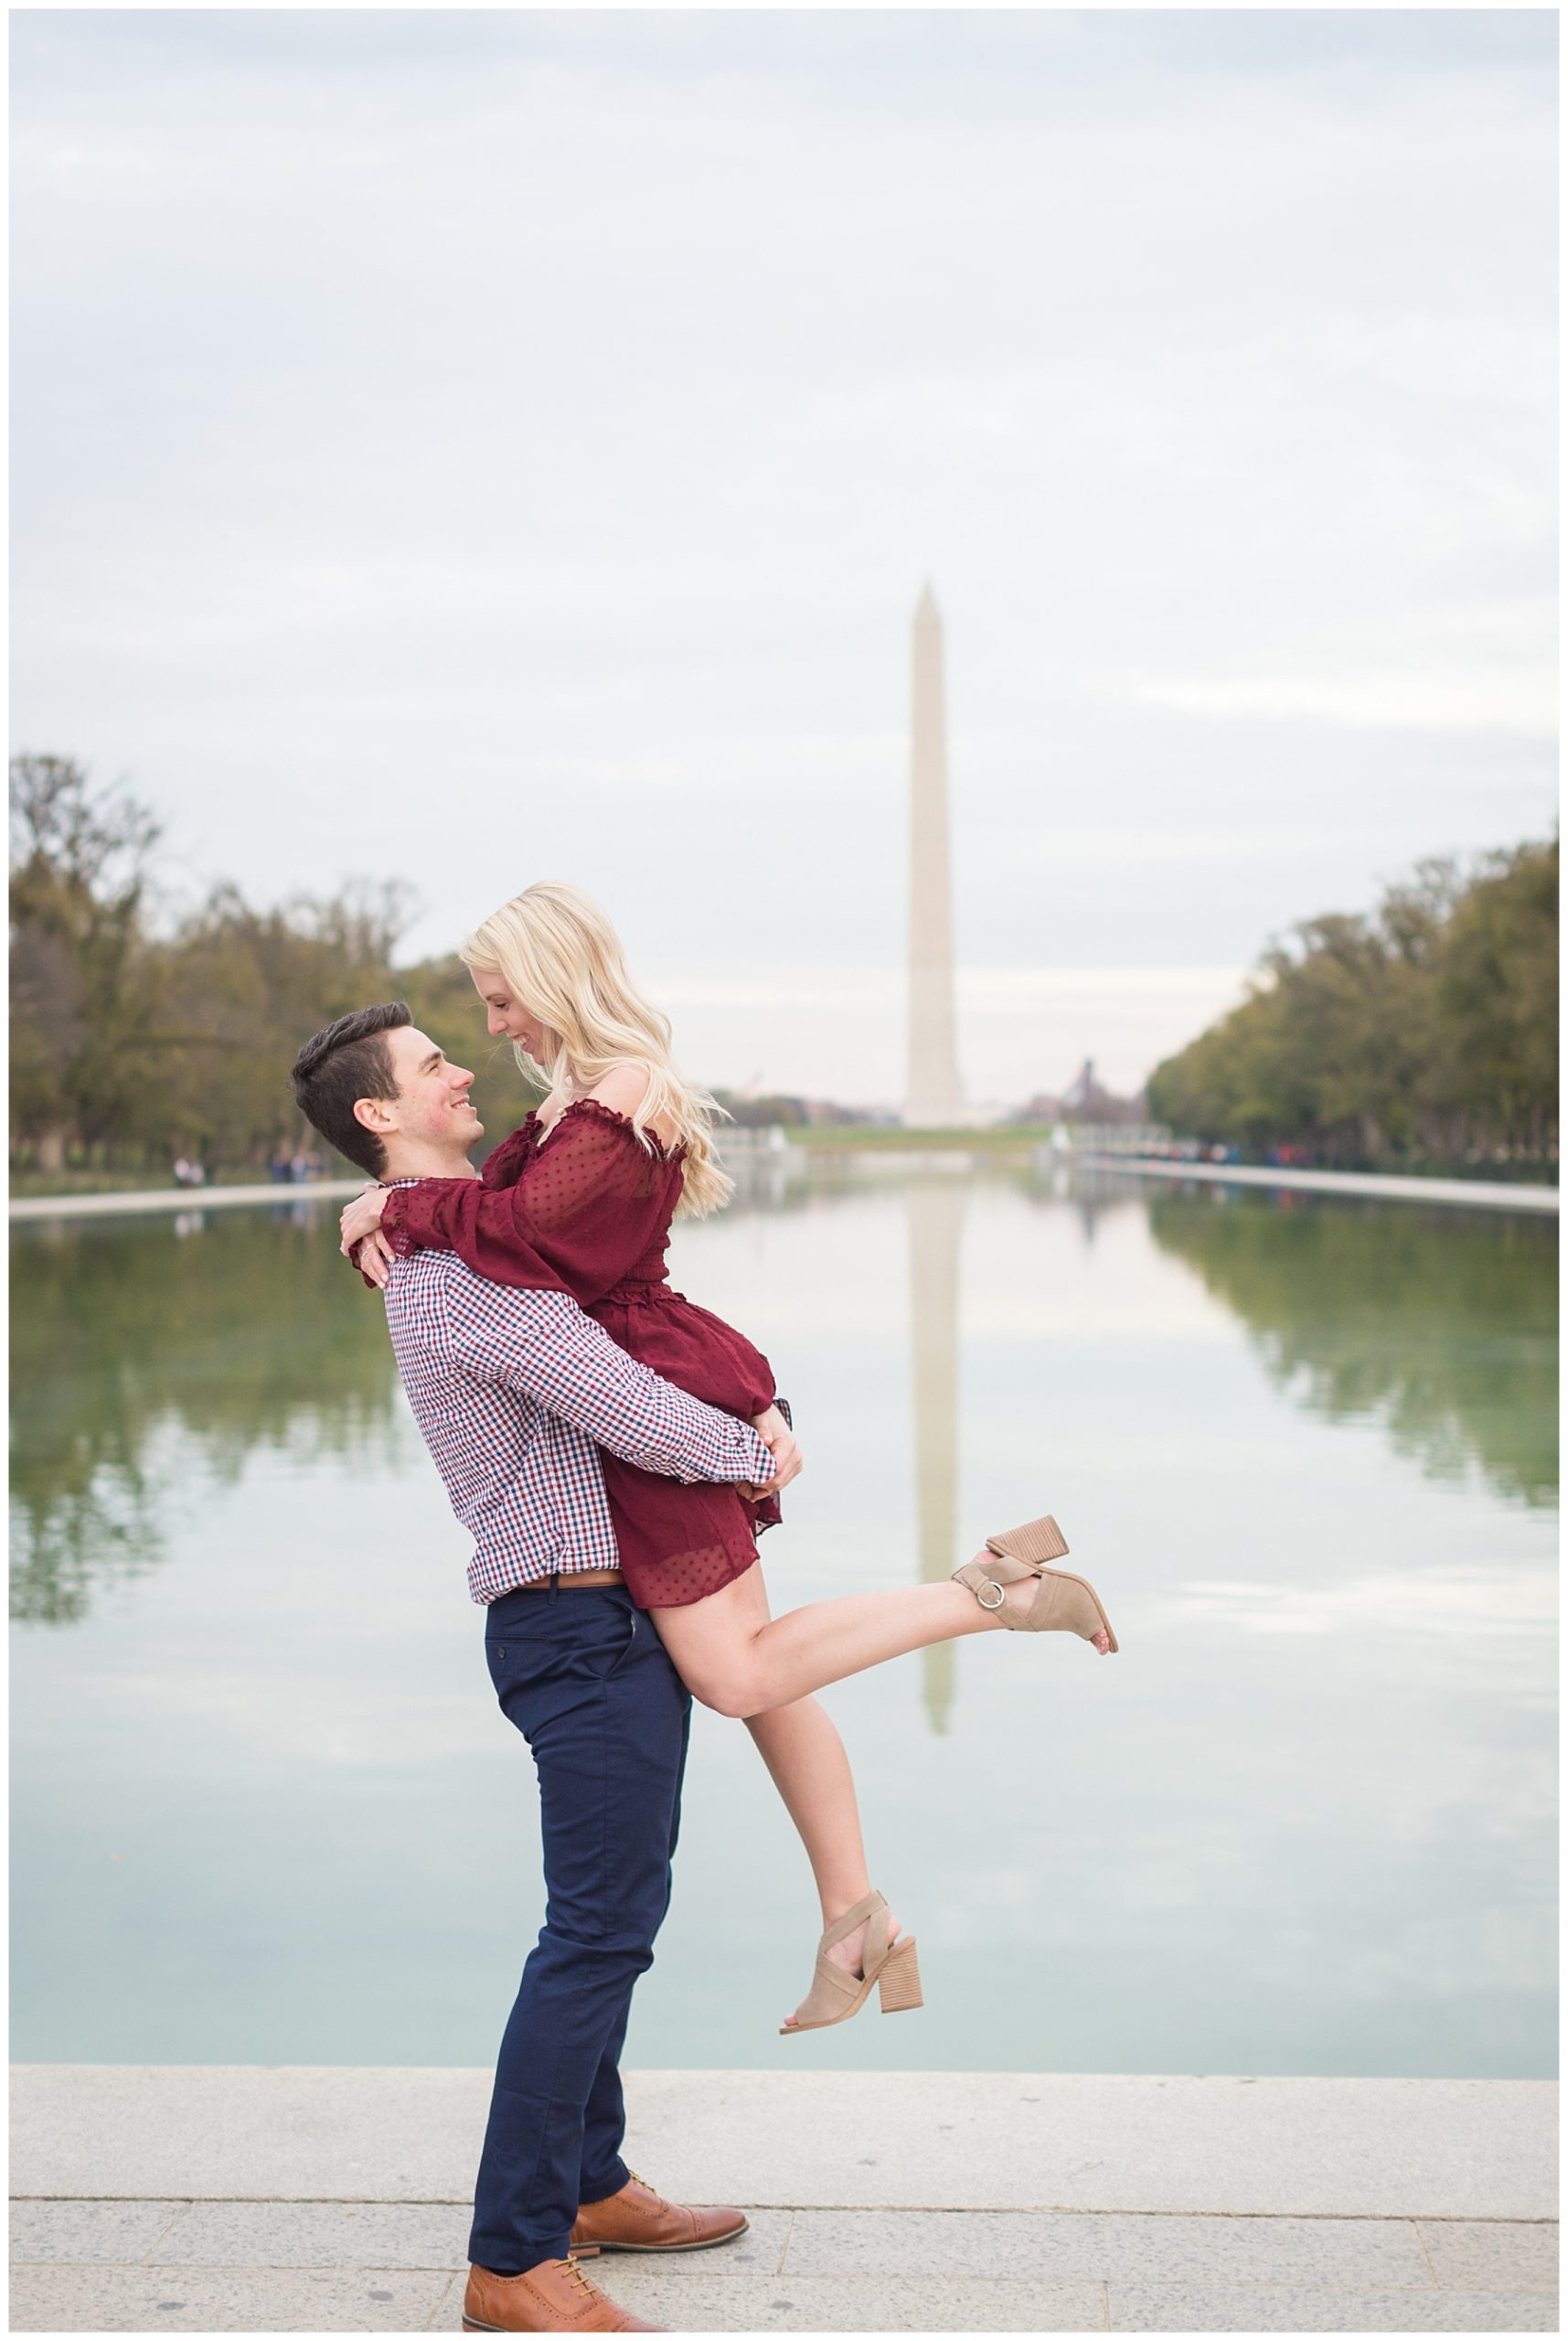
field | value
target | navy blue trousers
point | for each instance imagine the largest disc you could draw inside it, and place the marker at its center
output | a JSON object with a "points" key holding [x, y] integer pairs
{"points": [[586, 1681]]}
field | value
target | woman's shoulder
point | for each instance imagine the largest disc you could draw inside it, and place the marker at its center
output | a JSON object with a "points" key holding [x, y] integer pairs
{"points": [[623, 1088], [621, 1091]]}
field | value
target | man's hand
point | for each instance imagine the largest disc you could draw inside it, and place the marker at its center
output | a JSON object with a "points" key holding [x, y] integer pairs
{"points": [[782, 1446]]}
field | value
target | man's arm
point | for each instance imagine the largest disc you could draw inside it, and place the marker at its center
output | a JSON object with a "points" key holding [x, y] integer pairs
{"points": [[542, 1345]]}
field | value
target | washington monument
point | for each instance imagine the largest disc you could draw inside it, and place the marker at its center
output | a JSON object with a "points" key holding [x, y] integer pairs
{"points": [[935, 1098]]}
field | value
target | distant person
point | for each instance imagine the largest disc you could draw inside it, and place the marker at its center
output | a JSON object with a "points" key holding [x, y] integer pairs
{"points": [[281, 1169]]}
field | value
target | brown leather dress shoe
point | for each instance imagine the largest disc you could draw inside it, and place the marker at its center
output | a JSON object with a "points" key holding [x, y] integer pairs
{"points": [[636, 2219], [554, 2297]]}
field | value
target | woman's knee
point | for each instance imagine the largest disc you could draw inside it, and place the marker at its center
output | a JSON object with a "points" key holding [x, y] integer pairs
{"points": [[735, 1696], [713, 1655]]}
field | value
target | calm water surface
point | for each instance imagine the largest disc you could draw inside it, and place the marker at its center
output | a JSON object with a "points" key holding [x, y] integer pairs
{"points": [[266, 1810]]}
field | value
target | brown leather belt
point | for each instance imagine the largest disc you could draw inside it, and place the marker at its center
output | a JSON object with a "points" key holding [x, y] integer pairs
{"points": [[570, 1579]]}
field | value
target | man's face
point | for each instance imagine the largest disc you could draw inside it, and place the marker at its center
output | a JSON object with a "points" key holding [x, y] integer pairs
{"points": [[431, 1108]]}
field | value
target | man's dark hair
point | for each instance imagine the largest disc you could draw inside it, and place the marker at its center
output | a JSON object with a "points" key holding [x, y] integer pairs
{"points": [[349, 1061]]}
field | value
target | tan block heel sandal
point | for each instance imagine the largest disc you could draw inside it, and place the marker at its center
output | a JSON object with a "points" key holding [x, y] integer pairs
{"points": [[1064, 1604], [893, 1967]]}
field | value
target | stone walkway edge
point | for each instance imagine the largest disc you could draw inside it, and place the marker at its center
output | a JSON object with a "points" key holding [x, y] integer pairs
{"points": [[1368, 2206], [1474, 1194]]}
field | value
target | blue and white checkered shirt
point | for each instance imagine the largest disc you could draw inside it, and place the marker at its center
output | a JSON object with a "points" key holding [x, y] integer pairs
{"points": [[511, 1389]]}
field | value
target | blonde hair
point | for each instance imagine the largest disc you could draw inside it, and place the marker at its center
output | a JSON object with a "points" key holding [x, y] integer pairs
{"points": [[560, 958]]}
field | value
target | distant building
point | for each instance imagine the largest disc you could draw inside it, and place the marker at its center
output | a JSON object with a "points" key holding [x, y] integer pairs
{"points": [[1084, 1100], [780, 1109]]}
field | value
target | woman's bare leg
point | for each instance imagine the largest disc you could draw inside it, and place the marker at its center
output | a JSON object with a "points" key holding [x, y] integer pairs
{"points": [[801, 1748], [735, 1658]]}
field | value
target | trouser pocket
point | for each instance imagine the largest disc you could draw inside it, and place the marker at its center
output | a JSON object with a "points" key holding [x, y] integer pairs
{"points": [[553, 1647]]}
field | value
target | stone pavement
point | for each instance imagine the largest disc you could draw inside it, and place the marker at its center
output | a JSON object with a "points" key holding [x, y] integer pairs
{"points": [[330, 2199]]}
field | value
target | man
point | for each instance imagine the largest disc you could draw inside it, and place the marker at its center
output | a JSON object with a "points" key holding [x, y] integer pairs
{"points": [[511, 1390]]}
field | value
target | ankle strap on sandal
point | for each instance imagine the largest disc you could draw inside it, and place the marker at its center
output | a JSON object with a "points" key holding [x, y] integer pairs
{"points": [[989, 1591]]}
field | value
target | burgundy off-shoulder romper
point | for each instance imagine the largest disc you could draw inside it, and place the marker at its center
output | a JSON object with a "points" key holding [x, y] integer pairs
{"points": [[586, 1209]]}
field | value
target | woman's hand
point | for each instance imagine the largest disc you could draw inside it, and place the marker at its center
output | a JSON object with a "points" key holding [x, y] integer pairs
{"points": [[362, 1218], [782, 1446], [374, 1259]]}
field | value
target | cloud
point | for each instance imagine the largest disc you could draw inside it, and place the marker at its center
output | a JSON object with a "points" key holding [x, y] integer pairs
{"points": [[1431, 702], [1021, 1030], [481, 446]]}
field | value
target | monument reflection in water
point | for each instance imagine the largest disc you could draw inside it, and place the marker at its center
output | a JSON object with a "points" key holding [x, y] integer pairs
{"points": [[936, 1227], [1303, 1823]]}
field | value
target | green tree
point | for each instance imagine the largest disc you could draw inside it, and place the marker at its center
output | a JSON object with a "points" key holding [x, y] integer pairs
{"points": [[237, 991], [130, 1046], [78, 978], [1497, 998], [1423, 1031]]}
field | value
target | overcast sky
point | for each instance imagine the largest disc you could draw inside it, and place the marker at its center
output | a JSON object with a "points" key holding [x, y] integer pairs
{"points": [[474, 447]]}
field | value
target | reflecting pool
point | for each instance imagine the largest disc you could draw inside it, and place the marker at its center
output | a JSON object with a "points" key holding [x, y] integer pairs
{"points": [[265, 1808]]}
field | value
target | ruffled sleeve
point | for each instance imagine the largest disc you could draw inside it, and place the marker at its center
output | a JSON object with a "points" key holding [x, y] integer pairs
{"points": [[502, 1167], [583, 1209]]}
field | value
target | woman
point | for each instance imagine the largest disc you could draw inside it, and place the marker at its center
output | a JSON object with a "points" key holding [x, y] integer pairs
{"points": [[583, 1195]]}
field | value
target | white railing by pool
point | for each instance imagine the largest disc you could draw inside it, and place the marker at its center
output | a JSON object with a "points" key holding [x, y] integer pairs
{"points": [[275, 1191], [1484, 1194]]}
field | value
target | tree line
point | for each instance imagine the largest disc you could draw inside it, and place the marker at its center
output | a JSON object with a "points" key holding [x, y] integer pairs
{"points": [[137, 1037], [1421, 1034]]}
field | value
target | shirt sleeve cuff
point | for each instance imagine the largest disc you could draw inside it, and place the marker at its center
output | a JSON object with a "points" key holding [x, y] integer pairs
{"points": [[748, 1448]]}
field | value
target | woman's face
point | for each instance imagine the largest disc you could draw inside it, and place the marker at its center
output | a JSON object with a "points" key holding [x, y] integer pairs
{"points": [[505, 1019]]}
